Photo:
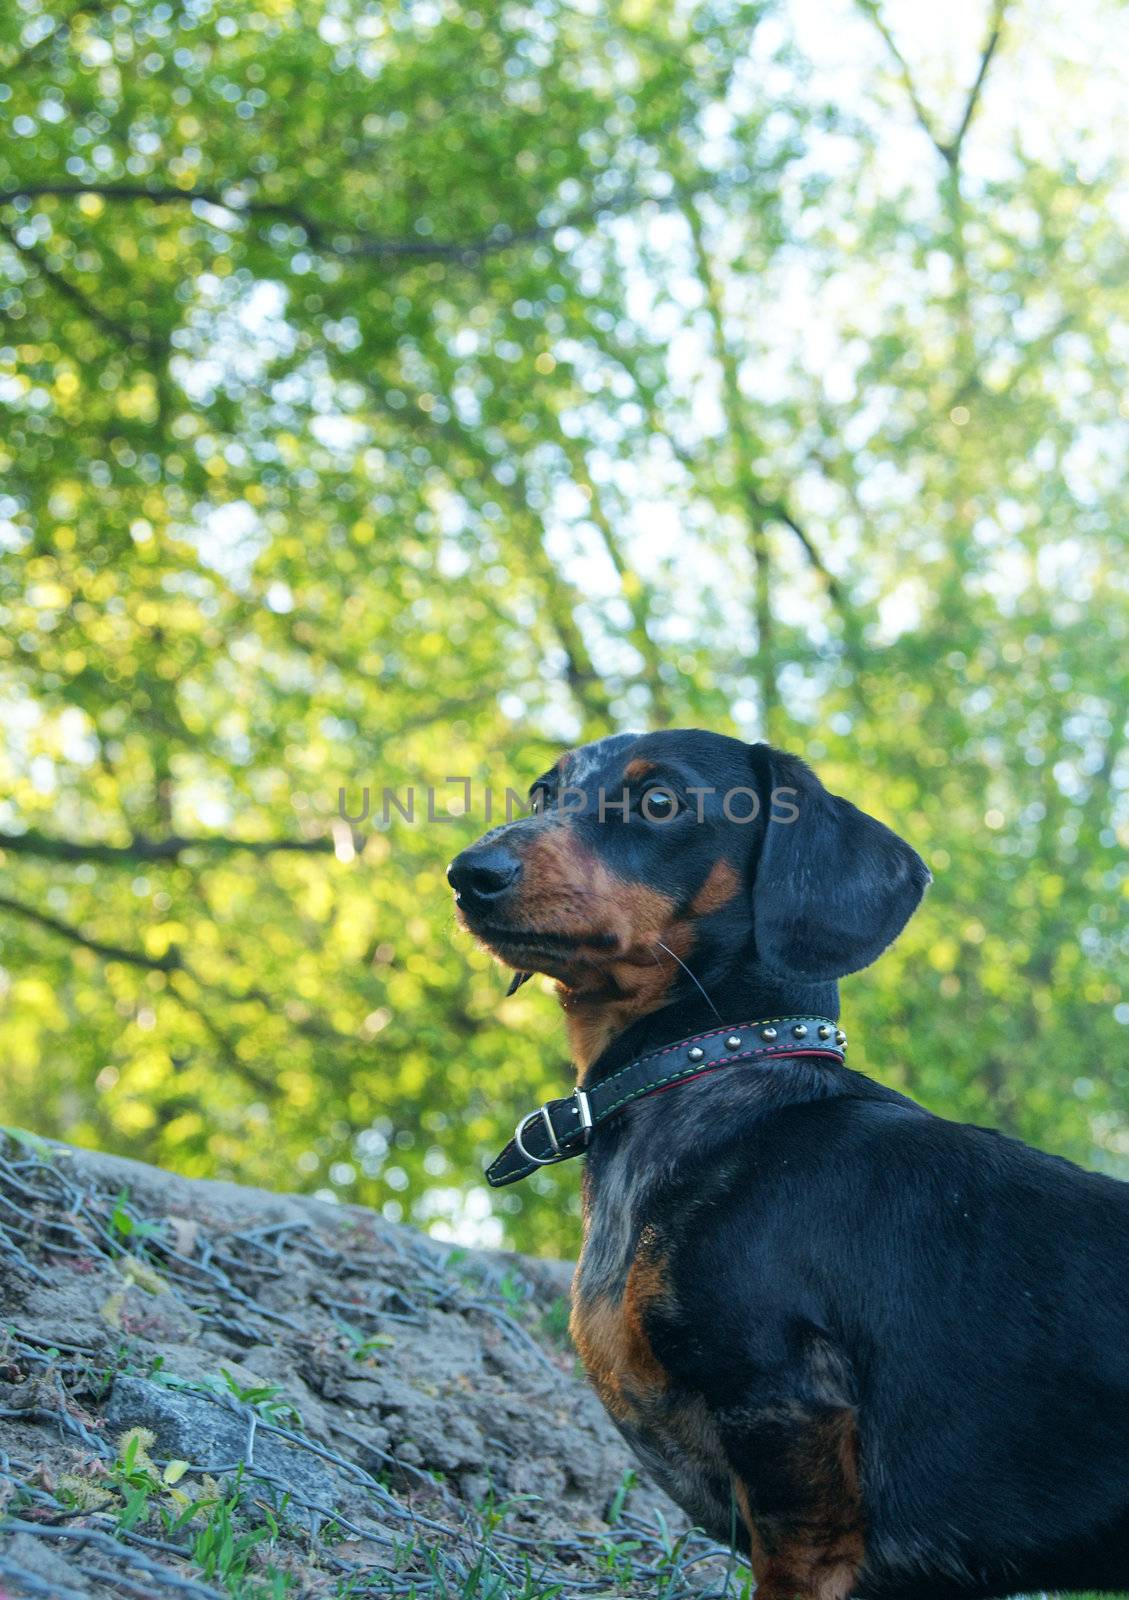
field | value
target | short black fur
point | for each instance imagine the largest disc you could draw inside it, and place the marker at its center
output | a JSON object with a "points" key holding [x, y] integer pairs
{"points": [[894, 1347]]}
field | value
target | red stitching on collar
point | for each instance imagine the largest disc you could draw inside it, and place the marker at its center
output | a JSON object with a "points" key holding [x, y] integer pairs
{"points": [[738, 1060]]}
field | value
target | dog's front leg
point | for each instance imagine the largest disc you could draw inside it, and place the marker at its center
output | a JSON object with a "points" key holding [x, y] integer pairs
{"points": [[796, 1482]]}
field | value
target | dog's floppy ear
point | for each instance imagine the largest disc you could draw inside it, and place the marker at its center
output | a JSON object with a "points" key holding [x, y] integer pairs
{"points": [[832, 887]]}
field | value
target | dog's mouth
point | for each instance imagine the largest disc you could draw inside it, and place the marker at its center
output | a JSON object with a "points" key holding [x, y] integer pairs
{"points": [[528, 938], [510, 941]]}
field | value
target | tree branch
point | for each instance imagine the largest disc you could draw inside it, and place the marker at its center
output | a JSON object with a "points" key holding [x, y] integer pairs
{"points": [[948, 149], [559, 597], [343, 239], [1100, 798], [870, 8], [744, 449], [335, 238], [780, 513], [762, 612], [120, 332], [142, 849], [265, 1083], [636, 594], [169, 962], [995, 33]]}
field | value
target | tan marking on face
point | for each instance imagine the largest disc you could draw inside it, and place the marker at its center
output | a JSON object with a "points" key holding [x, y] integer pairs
{"points": [[638, 769], [718, 890], [634, 988], [612, 1340], [567, 890]]}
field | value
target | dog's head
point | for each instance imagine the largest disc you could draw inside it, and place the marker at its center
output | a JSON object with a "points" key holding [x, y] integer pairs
{"points": [[646, 855]]}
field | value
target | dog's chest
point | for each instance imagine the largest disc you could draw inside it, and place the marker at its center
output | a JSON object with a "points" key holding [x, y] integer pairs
{"points": [[623, 1291]]}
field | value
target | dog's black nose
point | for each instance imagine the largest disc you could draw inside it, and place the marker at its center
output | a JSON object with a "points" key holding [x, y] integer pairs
{"points": [[482, 874]]}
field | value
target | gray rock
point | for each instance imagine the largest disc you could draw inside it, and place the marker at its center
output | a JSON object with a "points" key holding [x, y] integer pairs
{"points": [[475, 1486], [213, 1435], [36, 1567]]}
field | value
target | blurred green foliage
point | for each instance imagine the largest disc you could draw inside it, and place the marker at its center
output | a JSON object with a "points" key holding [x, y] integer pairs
{"points": [[400, 393]]}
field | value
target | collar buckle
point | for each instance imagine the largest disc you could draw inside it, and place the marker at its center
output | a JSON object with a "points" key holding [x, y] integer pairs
{"points": [[582, 1109], [584, 1112]]}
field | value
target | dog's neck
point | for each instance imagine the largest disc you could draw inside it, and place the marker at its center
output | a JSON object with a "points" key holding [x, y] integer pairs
{"points": [[747, 993]]}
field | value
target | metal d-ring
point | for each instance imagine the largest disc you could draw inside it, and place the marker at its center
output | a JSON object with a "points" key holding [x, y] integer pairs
{"points": [[539, 1161]]}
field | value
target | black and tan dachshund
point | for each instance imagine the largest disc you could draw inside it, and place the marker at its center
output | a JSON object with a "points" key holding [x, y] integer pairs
{"points": [[886, 1354]]}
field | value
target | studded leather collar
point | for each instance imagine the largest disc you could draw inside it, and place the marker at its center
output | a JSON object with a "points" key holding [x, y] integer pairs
{"points": [[561, 1129]]}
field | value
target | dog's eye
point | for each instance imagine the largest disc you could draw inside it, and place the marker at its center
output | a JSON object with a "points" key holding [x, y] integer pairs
{"points": [[659, 805], [537, 801]]}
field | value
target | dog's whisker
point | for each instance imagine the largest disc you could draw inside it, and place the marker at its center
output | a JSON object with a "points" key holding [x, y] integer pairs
{"points": [[692, 978]]}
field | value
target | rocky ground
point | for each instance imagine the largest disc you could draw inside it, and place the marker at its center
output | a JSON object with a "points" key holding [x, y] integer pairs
{"points": [[208, 1391]]}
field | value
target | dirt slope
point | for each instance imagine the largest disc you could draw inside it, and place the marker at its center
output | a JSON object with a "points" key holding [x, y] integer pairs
{"points": [[210, 1391]]}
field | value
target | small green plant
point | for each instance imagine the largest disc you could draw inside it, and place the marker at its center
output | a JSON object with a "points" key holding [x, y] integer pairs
{"points": [[368, 1347], [130, 1227], [617, 1558], [670, 1572], [484, 1581], [554, 1322], [102, 1376], [31, 1142], [264, 1398], [513, 1290], [224, 1545], [135, 1477], [619, 1498], [494, 1511], [176, 1518], [220, 1549], [362, 1346]]}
